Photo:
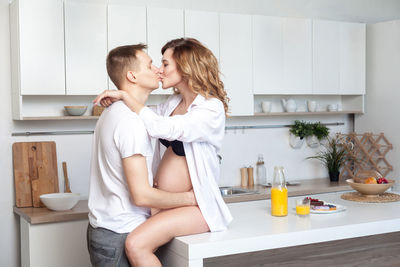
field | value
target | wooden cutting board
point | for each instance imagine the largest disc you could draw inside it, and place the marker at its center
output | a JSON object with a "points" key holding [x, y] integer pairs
{"points": [[35, 172]]}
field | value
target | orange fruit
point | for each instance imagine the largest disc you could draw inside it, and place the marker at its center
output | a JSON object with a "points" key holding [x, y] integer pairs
{"points": [[370, 180]]}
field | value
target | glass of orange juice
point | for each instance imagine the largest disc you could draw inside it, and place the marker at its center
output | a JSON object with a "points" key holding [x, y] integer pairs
{"points": [[303, 207]]}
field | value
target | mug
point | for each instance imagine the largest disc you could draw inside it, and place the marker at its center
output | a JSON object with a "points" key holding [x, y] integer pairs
{"points": [[266, 106], [312, 106], [332, 107]]}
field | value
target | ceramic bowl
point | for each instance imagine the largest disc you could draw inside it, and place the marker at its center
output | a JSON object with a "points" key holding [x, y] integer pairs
{"points": [[60, 201], [370, 189], [75, 110]]}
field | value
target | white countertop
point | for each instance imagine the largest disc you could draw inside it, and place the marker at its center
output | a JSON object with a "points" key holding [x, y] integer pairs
{"points": [[254, 229]]}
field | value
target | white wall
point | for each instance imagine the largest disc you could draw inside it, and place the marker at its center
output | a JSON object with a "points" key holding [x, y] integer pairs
{"points": [[9, 245], [239, 148], [383, 84]]}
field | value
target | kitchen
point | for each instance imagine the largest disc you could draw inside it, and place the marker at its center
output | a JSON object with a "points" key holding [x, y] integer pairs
{"points": [[272, 143]]}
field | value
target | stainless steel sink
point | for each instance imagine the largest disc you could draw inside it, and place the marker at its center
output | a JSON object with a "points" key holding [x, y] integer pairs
{"points": [[231, 191]]}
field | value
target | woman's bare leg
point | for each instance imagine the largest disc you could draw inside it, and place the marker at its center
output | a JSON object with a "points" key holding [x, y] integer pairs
{"points": [[160, 229]]}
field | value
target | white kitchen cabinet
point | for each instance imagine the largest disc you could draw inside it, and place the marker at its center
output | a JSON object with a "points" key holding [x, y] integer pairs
{"points": [[203, 26], [236, 62], [59, 244], [163, 25], [297, 53], [267, 55], [85, 47], [282, 56], [37, 47], [338, 58], [352, 58], [126, 26], [326, 56]]}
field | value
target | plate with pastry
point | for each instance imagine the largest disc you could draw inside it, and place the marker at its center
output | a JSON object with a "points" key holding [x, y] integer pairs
{"points": [[321, 207]]}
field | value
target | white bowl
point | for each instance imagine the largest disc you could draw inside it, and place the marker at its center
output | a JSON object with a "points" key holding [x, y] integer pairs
{"points": [[60, 201], [75, 110]]}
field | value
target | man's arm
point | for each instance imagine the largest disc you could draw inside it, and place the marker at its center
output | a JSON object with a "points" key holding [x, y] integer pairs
{"points": [[143, 195]]}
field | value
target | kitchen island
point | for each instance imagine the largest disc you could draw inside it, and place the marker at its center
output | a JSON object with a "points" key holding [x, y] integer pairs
{"points": [[254, 229]]}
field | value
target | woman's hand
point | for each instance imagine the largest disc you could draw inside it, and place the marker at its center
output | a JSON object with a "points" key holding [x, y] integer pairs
{"points": [[108, 97]]}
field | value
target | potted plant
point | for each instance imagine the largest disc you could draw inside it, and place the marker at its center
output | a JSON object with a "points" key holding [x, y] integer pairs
{"points": [[298, 131], [318, 133], [333, 156]]}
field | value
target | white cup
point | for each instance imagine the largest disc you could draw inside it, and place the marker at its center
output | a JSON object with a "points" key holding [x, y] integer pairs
{"points": [[312, 106], [266, 106], [332, 107]]}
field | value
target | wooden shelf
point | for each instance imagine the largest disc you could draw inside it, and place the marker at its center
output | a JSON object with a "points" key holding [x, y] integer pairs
{"points": [[51, 118], [308, 113]]}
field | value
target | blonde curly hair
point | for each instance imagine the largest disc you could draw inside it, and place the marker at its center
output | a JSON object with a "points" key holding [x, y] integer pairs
{"points": [[198, 67]]}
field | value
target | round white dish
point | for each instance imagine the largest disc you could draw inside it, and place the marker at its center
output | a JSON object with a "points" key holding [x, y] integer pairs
{"points": [[339, 208], [60, 201]]}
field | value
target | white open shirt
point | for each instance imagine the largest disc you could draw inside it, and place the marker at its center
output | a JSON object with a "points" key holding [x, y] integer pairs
{"points": [[201, 131]]}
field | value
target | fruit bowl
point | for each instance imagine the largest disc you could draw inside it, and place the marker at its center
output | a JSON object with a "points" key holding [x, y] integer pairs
{"points": [[370, 189], [60, 201]]}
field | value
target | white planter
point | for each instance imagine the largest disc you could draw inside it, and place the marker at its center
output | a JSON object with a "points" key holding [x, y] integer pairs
{"points": [[324, 142], [312, 141], [295, 141]]}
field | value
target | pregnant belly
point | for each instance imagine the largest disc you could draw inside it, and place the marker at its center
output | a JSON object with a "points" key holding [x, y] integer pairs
{"points": [[173, 173]]}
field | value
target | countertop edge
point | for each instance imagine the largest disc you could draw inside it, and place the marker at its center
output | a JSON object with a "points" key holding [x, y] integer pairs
{"points": [[289, 239], [43, 215]]}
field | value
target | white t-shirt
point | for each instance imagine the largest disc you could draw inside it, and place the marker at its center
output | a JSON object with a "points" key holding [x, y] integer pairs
{"points": [[119, 133]]}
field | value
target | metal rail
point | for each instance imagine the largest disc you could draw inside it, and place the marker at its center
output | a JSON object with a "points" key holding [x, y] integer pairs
{"points": [[243, 127]]}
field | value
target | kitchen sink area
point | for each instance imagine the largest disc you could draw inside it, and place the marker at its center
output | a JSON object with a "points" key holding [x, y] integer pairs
{"points": [[227, 191], [232, 194]]}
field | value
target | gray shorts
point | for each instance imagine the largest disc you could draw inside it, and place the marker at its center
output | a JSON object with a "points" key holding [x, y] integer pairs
{"points": [[106, 248]]}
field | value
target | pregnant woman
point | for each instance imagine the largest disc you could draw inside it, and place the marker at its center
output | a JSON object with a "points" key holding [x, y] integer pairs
{"points": [[190, 128]]}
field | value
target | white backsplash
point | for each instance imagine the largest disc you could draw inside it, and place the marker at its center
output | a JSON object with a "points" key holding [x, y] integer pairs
{"points": [[241, 148]]}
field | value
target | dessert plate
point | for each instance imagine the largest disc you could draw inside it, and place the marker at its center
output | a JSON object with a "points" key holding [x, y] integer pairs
{"points": [[339, 208]]}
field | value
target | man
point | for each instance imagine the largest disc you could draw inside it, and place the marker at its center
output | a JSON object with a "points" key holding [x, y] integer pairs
{"points": [[121, 191]]}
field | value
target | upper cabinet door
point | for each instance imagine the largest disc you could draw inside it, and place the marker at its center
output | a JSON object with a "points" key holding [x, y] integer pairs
{"points": [[164, 24], [352, 58], [203, 26], [85, 48], [126, 26], [41, 46], [236, 62], [297, 49], [267, 55], [326, 55]]}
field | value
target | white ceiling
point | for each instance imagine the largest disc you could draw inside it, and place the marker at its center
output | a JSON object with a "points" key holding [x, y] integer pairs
{"points": [[367, 11]]}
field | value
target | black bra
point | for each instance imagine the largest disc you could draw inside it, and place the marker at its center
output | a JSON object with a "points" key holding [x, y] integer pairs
{"points": [[177, 146]]}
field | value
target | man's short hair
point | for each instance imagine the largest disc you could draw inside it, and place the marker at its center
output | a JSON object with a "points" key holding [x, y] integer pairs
{"points": [[122, 59]]}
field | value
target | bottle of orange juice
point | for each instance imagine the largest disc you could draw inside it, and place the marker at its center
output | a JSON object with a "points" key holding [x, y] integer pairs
{"points": [[279, 193]]}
